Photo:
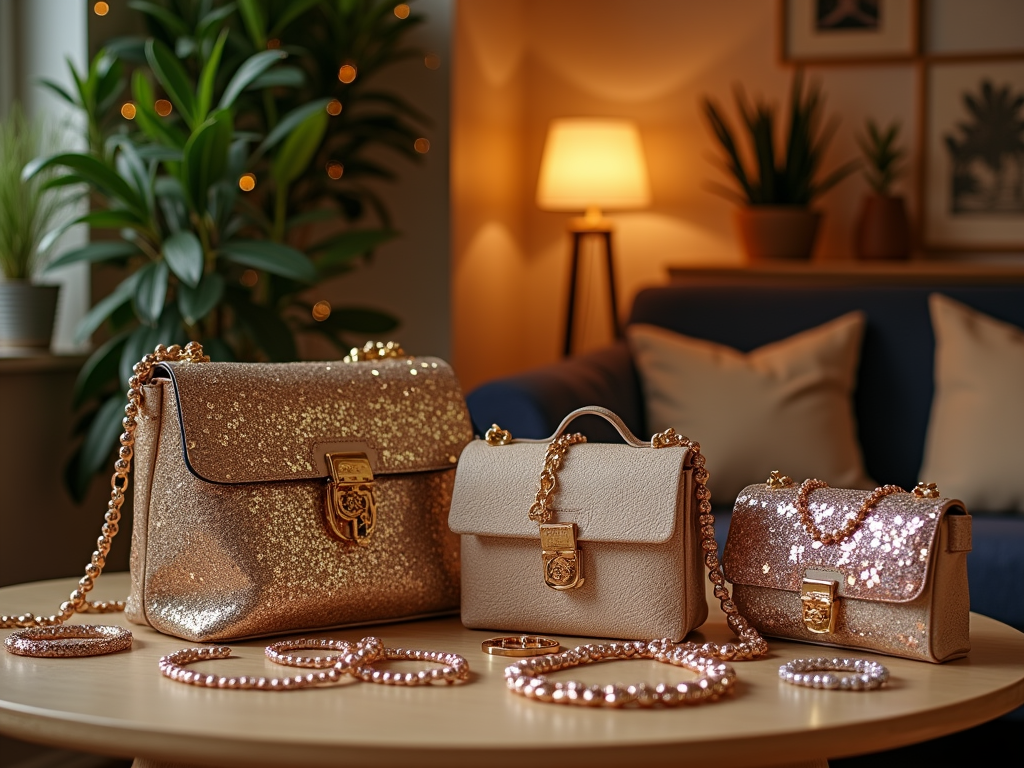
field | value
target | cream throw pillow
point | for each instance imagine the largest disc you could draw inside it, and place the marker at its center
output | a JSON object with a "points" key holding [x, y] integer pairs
{"points": [[974, 450], [784, 406]]}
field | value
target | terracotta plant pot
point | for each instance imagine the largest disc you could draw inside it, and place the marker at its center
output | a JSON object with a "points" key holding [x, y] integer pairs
{"points": [[778, 231], [27, 313], [883, 231]]}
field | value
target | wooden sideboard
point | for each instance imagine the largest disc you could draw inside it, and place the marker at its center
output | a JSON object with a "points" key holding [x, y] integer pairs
{"points": [[853, 273]]}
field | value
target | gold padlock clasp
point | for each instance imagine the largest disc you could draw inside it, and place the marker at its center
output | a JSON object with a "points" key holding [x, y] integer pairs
{"points": [[350, 504], [563, 561], [819, 605]]}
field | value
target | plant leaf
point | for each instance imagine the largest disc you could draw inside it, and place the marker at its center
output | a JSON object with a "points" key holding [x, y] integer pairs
{"points": [[299, 148], [172, 76], [206, 157], [268, 331], [104, 307], [208, 77], [97, 448], [358, 320], [98, 370], [275, 258], [292, 77], [184, 255], [251, 68], [287, 124], [151, 291], [196, 303], [255, 23], [93, 171], [101, 251], [171, 21], [342, 248], [293, 10]]}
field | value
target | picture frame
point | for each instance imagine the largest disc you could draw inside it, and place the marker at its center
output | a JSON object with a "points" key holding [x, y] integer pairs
{"points": [[972, 185], [849, 31]]}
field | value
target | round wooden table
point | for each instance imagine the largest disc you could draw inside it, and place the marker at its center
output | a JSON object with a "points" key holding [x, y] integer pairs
{"points": [[120, 705]]}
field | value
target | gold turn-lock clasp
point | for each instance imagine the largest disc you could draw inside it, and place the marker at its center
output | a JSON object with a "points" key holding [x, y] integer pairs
{"points": [[351, 497], [563, 561], [819, 605]]}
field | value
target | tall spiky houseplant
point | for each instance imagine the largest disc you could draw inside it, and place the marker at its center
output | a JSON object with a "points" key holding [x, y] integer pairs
{"points": [[27, 209], [776, 190]]}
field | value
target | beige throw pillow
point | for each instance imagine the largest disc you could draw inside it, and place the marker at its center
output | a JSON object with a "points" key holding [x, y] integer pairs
{"points": [[974, 450], [784, 406]]}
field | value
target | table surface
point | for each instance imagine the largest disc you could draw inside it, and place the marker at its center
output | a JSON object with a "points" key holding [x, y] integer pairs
{"points": [[120, 705]]}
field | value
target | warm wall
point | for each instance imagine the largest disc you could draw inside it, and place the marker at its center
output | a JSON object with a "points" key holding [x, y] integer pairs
{"points": [[520, 63]]}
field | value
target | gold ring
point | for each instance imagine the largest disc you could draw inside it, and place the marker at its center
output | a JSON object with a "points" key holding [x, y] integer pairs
{"points": [[520, 645]]}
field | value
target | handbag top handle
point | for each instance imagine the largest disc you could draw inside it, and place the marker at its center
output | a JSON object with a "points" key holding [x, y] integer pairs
{"points": [[610, 416]]}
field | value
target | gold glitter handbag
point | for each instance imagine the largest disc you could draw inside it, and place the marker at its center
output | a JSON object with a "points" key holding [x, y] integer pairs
{"points": [[884, 571], [625, 554], [273, 498]]}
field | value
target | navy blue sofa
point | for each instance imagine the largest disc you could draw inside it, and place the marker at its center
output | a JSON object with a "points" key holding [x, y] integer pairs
{"points": [[892, 401]]}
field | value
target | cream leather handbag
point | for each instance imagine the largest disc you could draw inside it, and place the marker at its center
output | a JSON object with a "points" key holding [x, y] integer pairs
{"points": [[624, 554]]}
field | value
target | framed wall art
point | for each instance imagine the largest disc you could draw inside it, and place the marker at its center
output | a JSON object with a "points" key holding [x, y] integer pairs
{"points": [[973, 184], [854, 31]]}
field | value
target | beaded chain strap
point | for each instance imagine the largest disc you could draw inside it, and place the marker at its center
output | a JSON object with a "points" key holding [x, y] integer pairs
{"points": [[142, 372], [751, 645]]}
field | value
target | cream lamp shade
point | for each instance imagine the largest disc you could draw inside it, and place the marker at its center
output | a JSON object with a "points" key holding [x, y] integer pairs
{"points": [[592, 163]]}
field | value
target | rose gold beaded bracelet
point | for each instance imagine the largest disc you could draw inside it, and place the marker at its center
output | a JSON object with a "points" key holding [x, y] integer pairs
{"points": [[455, 667], [353, 659], [527, 677], [68, 640]]}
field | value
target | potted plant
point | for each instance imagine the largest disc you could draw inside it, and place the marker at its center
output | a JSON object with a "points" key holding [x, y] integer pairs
{"points": [[230, 176], [27, 208], [883, 231], [775, 218]]}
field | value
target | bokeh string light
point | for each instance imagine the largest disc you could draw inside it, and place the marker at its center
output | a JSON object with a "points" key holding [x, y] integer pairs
{"points": [[321, 311]]}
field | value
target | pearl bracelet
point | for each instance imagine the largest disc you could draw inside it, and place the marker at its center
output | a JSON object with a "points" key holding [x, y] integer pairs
{"points": [[817, 673], [527, 677]]}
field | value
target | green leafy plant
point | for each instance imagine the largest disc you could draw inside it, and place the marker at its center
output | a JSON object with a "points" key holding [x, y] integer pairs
{"points": [[219, 180], [27, 207], [883, 158], [787, 178]]}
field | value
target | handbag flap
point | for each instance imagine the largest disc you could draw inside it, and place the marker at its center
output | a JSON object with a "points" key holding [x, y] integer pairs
{"points": [[886, 559], [259, 422], [614, 493]]}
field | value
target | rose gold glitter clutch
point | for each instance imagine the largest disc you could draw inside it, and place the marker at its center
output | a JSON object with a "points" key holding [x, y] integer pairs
{"points": [[884, 571], [273, 498]]}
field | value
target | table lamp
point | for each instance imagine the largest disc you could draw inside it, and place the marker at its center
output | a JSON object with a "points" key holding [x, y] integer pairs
{"points": [[590, 164]]}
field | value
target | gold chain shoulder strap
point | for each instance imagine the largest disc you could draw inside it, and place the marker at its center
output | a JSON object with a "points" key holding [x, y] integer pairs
{"points": [[77, 603], [803, 498], [751, 645]]}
